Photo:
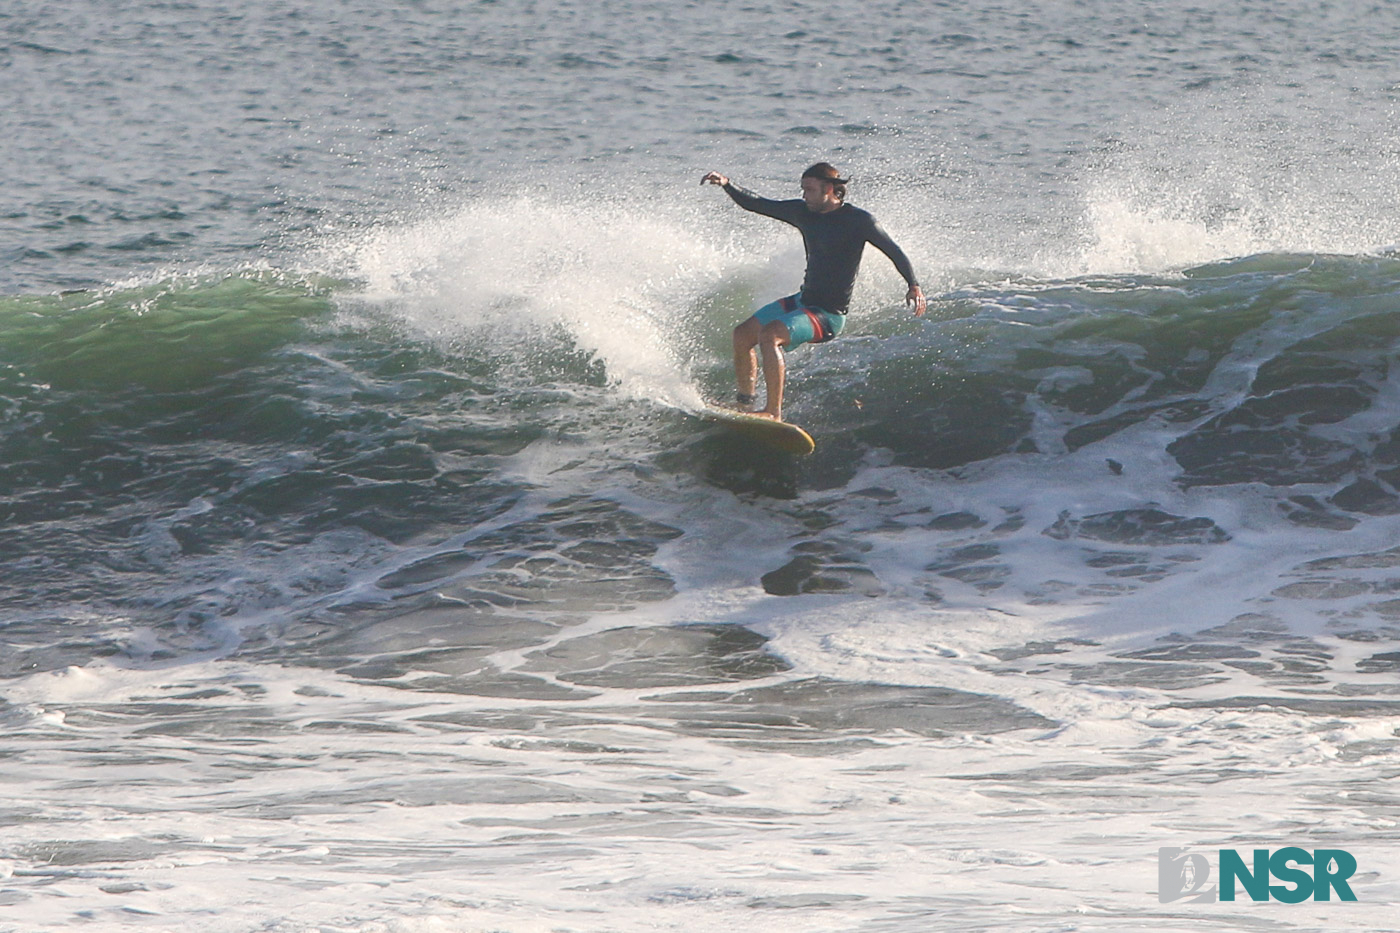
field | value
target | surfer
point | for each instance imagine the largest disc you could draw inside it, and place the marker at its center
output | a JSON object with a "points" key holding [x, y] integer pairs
{"points": [[834, 234]]}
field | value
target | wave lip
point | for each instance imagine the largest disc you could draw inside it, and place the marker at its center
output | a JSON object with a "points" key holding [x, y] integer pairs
{"points": [[619, 283], [171, 333]]}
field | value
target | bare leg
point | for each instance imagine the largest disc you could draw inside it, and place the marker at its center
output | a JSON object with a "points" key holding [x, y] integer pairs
{"points": [[774, 337], [746, 337]]}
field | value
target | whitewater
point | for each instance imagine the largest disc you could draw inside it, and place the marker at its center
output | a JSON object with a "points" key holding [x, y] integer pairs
{"points": [[367, 570]]}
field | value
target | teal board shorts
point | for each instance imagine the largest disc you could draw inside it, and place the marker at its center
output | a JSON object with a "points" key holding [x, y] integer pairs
{"points": [[805, 324]]}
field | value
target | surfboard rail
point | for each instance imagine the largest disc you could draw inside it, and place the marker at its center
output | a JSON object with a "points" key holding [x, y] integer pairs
{"points": [[782, 435]]}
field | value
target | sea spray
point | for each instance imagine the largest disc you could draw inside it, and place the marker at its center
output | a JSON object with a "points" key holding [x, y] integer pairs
{"points": [[621, 283]]}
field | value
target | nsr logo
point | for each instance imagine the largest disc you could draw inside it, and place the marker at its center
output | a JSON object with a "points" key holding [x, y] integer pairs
{"points": [[1187, 875]]}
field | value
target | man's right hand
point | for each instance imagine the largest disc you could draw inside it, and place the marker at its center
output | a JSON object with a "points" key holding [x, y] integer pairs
{"points": [[714, 178]]}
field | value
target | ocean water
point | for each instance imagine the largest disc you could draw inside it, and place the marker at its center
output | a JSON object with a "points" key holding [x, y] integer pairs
{"points": [[365, 568]]}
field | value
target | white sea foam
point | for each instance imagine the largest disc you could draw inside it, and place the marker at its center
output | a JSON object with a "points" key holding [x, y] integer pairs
{"points": [[619, 282], [1238, 172], [332, 805]]}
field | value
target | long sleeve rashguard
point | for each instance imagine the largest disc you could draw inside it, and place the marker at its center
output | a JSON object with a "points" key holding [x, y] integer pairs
{"points": [[834, 242]]}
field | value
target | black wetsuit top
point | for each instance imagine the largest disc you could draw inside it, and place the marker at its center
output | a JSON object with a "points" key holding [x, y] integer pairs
{"points": [[834, 243]]}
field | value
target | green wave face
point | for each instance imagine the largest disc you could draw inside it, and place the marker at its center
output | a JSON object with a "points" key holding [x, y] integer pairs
{"points": [[226, 432], [1272, 369], [171, 335]]}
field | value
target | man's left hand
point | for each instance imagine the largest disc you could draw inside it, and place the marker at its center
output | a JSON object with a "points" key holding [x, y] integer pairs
{"points": [[916, 298]]}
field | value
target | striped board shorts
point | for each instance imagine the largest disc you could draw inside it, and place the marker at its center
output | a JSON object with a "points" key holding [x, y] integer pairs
{"points": [[805, 323]]}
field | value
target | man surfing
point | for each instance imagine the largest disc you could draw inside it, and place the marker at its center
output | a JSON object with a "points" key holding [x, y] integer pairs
{"points": [[834, 235]]}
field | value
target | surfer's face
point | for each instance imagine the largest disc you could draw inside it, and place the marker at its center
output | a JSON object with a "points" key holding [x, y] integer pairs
{"points": [[819, 195]]}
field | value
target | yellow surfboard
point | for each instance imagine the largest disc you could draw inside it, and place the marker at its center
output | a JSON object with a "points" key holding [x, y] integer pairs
{"points": [[782, 435]]}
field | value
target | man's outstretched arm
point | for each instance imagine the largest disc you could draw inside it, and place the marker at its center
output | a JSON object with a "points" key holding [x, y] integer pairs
{"points": [[780, 210], [915, 296]]}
